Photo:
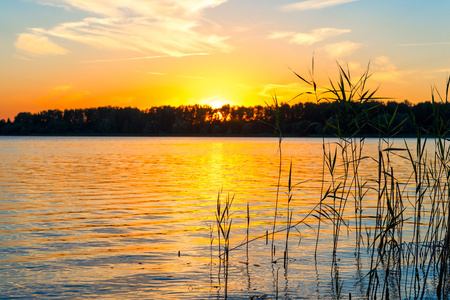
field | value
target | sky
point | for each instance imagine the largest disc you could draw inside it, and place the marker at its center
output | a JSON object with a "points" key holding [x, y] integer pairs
{"points": [[65, 54]]}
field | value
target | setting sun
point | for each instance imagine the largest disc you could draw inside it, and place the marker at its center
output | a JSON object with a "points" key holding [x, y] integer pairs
{"points": [[216, 101], [219, 102]]}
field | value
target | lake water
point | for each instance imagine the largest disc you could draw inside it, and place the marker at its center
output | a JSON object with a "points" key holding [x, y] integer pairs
{"points": [[129, 218]]}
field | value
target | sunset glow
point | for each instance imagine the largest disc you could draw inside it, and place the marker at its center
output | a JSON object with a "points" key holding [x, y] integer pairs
{"points": [[216, 102], [64, 54]]}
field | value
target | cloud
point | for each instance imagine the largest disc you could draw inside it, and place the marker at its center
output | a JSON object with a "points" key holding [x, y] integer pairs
{"points": [[385, 70], [314, 4], [157, 73], [62, 95], [167, 27], [190, 77], [341, 49], [180, 76], [54, 4], [18, 56], [37, 45], [127, 8], [143, 57], [62, 88], [425, 44], [311, 38], [284, 91]]}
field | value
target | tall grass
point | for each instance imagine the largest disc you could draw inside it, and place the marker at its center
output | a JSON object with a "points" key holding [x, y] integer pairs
{"points": [[405, 238]]}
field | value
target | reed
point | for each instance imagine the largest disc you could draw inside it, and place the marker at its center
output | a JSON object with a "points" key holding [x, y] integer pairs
{"points": [[406, 240], [277, 130], [248, 232], [224, 224], [288, 217]]}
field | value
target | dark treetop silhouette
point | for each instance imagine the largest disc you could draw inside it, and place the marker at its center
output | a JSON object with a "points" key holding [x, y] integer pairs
{"points": [[301, 119]]}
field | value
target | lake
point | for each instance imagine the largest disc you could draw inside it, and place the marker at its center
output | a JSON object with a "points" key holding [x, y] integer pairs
{"points": [[131, 218]]}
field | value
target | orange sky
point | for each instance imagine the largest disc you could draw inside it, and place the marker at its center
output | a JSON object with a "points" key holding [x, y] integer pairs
{"points": [[59, 54]]}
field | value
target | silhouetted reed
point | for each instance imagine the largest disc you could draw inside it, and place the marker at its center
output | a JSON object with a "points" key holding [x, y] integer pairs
{"points": [[224, 223], [406, 235]]}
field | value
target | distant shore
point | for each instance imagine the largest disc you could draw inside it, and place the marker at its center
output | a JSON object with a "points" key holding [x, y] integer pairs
{"points": [[299, 120]]}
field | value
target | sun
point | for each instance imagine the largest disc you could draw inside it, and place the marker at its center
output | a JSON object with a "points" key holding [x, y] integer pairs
{"points": [[217, 101]]}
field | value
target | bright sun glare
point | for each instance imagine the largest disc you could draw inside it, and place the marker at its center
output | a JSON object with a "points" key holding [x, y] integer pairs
{"points": [[218, 102]]}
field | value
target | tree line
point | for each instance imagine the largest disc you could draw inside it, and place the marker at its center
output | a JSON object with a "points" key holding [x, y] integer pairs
{"points": [[300, 119]]}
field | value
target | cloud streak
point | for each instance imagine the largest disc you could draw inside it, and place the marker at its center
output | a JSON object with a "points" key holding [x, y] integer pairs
{"points": [[66, 94], [191, 77], [143, 57], [38, 45], [425, 44], [166, 27], [288, 90], [127, 8], [314, 4], [386, 71], [311, 38], [341, 49]]}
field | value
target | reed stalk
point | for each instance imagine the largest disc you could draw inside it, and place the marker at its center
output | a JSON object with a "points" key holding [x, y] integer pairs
{"points": [[288, 217], [248, 230], [277, 130]]}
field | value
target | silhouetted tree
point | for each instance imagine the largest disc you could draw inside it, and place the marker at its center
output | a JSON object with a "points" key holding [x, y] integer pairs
{"points": [[300, 119]]}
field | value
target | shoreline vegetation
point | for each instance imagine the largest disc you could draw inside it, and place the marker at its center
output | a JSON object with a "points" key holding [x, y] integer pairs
{"points": [[298, 120]]}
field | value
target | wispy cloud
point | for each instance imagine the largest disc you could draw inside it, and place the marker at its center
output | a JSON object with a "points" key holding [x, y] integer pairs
{"points": [[311, 38], [210, 99], [37, 45], [283, 91], [180, 76], [315, 4], [166, 27], [62, 88], [191, 77], [157, 73], [54, 4], [122, 8], [385, 70], [341, 49], [63, 94], [143, 57], [425, 44]]}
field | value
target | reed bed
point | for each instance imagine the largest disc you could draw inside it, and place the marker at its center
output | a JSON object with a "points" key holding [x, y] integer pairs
{"points": [[405, 238]]}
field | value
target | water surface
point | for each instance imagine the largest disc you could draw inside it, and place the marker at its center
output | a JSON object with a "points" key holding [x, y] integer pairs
{"points": [[124, 217]]}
